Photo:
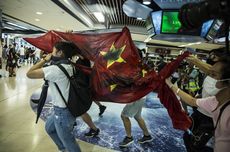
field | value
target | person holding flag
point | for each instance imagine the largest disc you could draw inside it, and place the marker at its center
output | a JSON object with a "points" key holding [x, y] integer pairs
{"points": [[60, 124]]}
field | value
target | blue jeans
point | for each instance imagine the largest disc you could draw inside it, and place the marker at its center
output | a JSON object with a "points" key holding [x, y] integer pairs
{"points": [[59, 126]]}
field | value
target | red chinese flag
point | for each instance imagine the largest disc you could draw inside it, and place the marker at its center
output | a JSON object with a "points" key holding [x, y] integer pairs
{"points": [[117, 74], [45, 42]]}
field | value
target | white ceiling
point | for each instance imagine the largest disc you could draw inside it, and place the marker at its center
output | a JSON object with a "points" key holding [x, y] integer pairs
{"points": [[53, 16]]}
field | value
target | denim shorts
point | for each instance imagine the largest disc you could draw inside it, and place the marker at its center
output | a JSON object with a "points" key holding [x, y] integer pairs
{"points": [[133, 109]]}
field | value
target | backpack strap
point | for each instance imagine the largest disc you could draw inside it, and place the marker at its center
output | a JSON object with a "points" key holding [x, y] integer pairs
{"points": [[60, 93], [64, 70], [67, 75], [221, 111]]}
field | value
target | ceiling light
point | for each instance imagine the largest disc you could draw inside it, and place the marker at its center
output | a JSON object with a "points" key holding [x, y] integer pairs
{"points": [[146, 2], [139, 18], [17, 25], [100, 17], [36, 19], [9, 28], [39, 13]]}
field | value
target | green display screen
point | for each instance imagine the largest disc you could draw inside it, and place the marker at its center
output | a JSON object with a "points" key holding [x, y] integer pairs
{"points": [[170, 22]]}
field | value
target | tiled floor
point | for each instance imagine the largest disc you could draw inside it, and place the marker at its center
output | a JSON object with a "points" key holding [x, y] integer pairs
{"points": [[18, 131]]}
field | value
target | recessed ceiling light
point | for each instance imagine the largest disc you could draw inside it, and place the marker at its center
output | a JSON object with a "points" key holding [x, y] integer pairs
{"points": [[100, 17], [37, 19], [146, 2], [39, 13]]}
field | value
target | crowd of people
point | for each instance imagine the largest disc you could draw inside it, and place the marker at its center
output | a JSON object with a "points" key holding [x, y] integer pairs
{"points": [[205, 88], [13, 57]]}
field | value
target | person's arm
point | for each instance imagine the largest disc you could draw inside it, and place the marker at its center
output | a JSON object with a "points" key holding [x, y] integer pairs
{"points": [[200, 64], [36, 72], [183, 95]]}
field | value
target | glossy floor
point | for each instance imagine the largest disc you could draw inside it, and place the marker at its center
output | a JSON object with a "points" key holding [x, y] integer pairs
{"points": [[18, 131]]}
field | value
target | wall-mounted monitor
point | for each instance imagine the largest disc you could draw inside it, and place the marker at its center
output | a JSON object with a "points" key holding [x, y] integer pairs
{"points": [[205, 28], [156, 20], [170, 23], [214, 29], [149, 26]]}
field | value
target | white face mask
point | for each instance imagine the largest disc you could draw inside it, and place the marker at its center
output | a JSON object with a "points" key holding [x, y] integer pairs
{"points": [[209, 87]]}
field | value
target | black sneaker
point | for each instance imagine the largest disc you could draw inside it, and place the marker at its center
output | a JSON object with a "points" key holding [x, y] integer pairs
{"points": [[126, 142], [145, 139], [102, 109], [92, 133]]}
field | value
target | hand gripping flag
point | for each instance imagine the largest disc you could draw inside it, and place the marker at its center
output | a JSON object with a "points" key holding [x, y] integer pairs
{"points": [[118, 75]]}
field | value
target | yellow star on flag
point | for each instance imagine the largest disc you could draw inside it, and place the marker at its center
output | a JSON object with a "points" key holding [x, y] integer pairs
{"points": [[144, 72], [113, 55], [112, 87]]}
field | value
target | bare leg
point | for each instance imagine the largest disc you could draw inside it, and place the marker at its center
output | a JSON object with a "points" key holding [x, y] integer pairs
{"points": [[142, 125], [101, 107], [127, 125], [87, 119]]}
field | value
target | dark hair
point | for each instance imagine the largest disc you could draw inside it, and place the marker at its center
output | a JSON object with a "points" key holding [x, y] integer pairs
{"points": [[68, 48], [219, 52], [225, 68]]}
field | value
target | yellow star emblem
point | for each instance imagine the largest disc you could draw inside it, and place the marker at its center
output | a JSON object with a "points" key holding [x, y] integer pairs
{"points": [[113, 55], [112, 87], [144, 72]]}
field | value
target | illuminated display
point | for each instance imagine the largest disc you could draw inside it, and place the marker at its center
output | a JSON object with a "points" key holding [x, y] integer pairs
{"points": [[156, 18], [170, 22], [205, 28]]}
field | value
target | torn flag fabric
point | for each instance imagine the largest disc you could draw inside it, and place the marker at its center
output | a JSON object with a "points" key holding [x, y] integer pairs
{"points": [[118, 74]]}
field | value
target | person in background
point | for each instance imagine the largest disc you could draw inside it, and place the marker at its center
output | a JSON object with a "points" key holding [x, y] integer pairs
{"points": [[11, 61], [161, 63], [60, 124], [22, 53], [134, 110], [217, 106], [4, 53], [37, 55]]}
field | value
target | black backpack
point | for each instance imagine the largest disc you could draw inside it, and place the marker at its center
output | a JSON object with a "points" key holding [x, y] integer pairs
{"points": [[80, 99]]}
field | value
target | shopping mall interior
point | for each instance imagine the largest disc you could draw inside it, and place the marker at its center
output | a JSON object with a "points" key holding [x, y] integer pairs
{"points": [[134, 47]]}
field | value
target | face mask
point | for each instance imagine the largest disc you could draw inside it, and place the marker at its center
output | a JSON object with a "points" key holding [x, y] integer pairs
{"points": [[209, 86], [55, 58]]}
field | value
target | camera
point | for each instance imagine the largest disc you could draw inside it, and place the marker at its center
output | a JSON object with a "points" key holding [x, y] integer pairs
{"points": [[192, 15]]}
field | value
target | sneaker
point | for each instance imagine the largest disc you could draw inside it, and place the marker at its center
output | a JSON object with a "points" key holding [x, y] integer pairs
{"points": [[92, 133], [126, 142], [145, 139], [102, 109]]}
